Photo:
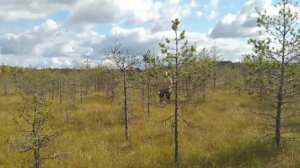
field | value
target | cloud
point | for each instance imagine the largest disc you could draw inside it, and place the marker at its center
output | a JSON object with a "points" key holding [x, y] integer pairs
{"points": [[135, 41], [212, 15], [54, 45], [211, 8], [227, 49], [242, 24], [13, 10], [51, 45], [214, 3], [199, 14], [23, 43], [94, 11], [156, 13], [46, 45], [125, 12], [140, 10], [171, 10], [129, 12]]}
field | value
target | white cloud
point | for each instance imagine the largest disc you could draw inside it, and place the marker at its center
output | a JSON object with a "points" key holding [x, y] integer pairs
{"points": [[229, 18], [212, 15], [50, 45], [242, 24], [135, 40], [199, 13], [228, 49], [140, 10], [49, 25], [94, 11], [211, 7], [214, 3], [46, 43], [12, 10], [157, 13]]}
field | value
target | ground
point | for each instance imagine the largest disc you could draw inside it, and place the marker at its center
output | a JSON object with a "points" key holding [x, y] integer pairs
{"points": [[220, 132]]}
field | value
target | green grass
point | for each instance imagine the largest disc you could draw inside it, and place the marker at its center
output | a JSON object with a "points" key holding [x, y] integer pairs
{"points": [[224, 134]]}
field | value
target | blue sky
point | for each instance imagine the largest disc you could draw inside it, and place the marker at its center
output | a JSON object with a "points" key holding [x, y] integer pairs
{"points": [[58, 33]]}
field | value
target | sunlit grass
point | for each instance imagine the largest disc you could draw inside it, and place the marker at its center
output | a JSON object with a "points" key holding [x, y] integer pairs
{"points": [[221, 133]]}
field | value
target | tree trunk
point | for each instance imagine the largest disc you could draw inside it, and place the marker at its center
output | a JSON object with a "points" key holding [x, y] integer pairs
{"points": [[203, 90], [278, 117], [125, 104], [176, 123], [52, 90], [281, 85], [279, 102], [37, 158], [215, 75], [148, 98], [36, 152], [74, 92], [143, 97], [5, 87], [60, 92], [112, 87], [261, 93], [16, 84], [98, 85], [176, 106], [225, 84], [81, 93]]}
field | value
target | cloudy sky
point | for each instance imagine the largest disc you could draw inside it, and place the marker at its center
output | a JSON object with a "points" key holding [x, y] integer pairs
{"points": [[60, 33]]}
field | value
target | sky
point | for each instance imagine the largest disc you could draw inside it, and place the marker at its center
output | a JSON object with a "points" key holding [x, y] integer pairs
{"points": [[62, 33]]}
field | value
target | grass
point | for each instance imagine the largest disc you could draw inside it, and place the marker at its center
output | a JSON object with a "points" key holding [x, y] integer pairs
{"points": [[224, 134]]}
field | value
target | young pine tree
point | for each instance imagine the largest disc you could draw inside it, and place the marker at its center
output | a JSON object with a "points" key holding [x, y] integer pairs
{"points": [[150, 71], [281, 41], [36, 126], [178, 54]]}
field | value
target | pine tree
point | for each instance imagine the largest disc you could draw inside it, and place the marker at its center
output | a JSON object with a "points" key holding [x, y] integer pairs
{"points": [[178, 53], [280, 43], [36, 126]]}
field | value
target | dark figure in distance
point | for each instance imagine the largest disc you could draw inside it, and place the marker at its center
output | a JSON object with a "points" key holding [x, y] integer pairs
{"points": [[166, 91]]}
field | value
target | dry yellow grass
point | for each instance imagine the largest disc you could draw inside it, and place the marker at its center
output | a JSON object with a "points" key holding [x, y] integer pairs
{"points": [[224, 134]]}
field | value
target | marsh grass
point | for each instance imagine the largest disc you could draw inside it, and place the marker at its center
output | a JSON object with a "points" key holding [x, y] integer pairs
{"points": [[224, 134]]}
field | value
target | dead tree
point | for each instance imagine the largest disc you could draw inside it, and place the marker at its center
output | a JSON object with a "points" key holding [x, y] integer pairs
{"points": [[124, 62], [215, 58]]}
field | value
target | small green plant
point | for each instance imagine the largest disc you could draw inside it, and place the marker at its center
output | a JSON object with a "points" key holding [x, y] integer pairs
{"points": [[36, 129]]}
